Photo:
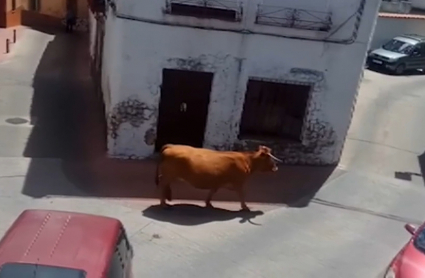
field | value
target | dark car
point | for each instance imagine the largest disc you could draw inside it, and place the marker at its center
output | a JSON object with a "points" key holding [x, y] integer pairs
{"points": [[50, 244], [406, 52]]}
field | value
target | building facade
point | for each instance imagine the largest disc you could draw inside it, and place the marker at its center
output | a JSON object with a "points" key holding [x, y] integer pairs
{"points": [[232, 74], [24, 12]]}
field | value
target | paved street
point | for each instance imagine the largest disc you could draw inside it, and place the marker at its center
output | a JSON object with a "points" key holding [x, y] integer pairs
{"points": [[387, 130], [351, 228]]}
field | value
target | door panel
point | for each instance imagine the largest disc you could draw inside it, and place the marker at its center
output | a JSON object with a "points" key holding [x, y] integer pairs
{"points": [[183, 107]]}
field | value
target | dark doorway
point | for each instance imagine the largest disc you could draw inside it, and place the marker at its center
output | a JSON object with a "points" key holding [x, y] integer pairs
{"points": [[183, 107], [3, 10], [274, 110]]}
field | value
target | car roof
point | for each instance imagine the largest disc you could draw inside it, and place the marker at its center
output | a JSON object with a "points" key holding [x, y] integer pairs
{"points": [[61, 238], [415, 37]]}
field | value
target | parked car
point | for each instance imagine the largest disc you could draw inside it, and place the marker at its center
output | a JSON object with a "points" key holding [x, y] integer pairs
{"points": [[48, 243], [410, 261], [406, 52]]}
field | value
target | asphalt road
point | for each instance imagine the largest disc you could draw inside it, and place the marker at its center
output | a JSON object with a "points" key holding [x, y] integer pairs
{"points": [[352, 228]]}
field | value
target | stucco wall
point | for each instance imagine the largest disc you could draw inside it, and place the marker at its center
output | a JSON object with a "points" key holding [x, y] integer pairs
{"points": [[388, 28], [111, 62], [92, 33], [137, 52]]}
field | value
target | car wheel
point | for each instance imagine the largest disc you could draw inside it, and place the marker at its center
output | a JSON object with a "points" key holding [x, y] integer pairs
{"points": [[400, 69]]}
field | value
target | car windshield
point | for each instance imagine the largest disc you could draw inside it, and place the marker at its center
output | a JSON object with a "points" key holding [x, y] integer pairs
{"points": [[24, 270], [420, 241], [398, 46]]}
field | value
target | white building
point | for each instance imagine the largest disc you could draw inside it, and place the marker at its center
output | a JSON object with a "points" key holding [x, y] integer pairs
{"points": [[231, 74]]}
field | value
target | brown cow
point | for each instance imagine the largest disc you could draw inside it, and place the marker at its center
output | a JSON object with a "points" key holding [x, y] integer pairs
{"points": [[209, 169]]}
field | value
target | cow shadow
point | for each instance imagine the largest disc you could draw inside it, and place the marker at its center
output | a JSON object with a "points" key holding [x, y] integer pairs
{"points": [[192, 215]]}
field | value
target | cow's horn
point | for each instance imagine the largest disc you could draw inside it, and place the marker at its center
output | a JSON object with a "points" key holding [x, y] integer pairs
{"points": [[275, 158]]}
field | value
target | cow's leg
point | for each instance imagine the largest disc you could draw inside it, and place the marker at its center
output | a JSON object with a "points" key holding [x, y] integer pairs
{"points": [[241, 192], [209, 197], [165, 192]]}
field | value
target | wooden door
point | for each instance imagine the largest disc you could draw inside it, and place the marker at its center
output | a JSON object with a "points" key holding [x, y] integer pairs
{"points": [[183, 107]]}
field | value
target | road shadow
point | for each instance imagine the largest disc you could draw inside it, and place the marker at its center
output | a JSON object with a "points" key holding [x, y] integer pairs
{"points": [[60, 107], [192, 215], [70, 129], [56, 108], [421, 160]]}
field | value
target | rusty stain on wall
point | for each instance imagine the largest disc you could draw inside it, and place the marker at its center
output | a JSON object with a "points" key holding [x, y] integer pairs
{"points": [[130, 111]]}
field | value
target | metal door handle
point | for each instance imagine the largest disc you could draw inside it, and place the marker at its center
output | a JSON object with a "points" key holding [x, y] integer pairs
{"points": [[183, 107]]}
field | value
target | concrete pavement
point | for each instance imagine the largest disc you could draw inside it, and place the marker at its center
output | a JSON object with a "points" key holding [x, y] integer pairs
{"points": [[387, 133], [326, 239], [361, 207]]}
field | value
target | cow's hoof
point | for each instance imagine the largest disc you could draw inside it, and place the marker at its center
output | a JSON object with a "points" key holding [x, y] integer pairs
{"points": [[245, 208], [165, 206], [209, 206]]}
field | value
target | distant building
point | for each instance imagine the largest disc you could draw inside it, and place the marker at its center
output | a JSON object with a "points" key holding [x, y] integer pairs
{"points": [[24, 12], [231, 74]]}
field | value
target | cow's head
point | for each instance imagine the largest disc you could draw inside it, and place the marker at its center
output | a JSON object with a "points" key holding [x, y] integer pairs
{"points": [[265, 161]]}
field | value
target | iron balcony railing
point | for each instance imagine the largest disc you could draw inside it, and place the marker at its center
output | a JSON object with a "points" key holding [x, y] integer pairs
{"points": [[229, 5], [293, 18]]}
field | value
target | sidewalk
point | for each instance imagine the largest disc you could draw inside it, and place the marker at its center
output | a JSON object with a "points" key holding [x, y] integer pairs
{"points": [[321, 240]]}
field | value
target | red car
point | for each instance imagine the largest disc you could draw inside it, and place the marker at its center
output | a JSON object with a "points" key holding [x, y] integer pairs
{"points": [[46, 243], [410, 261]]}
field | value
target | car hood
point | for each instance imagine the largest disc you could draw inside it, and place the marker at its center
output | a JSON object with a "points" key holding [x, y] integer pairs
{"points": [[387, 54], [411, 263]]}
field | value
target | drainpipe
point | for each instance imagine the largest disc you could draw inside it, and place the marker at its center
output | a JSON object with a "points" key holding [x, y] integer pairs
{"points": [[347, 41]]}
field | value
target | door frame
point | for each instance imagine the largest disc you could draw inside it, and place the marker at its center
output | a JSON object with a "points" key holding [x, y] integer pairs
{"points": [[212, 77]]}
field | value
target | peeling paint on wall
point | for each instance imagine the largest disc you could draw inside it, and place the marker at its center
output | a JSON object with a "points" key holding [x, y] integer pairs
{"points": [[206, 63], [150, 136], [130, 111], [320, 136]]}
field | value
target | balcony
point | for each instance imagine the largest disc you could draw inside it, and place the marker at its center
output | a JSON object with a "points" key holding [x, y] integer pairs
{"points": [[228, 10], [293, 18]]}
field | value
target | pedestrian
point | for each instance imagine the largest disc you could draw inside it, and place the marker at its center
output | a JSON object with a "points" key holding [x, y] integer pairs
{"points": [[70, 21]]}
